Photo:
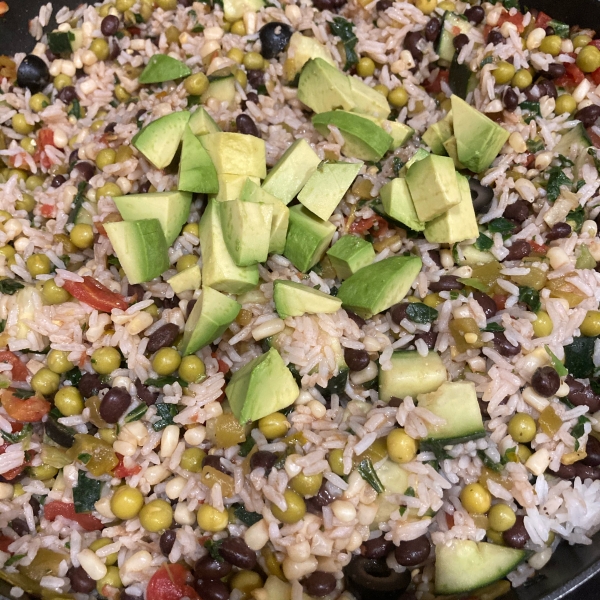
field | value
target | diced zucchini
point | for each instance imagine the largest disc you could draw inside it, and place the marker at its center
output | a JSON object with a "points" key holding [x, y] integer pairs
{"points": [[472, 256], [451, 23]]}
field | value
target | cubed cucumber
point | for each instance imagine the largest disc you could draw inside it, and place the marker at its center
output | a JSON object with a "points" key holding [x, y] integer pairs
{"points": [[472, 256], [222, 89], [452, 25]]}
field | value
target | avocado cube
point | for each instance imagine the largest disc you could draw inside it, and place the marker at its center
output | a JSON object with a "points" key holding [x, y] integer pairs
{"points": [[212, 314], [452, 151], [196, 171], [363, 138], [433, 186], [327, 186], [202, 123], [263, 386], [230, 186], [159, 140], [307, 239], [162, 67], [398, 204], [292, 171], [302, 48], [140, 247], [172, 209], [367, 100], [478, 139], [375, 288], [252, 192], [349, 254], [235, 9], [246, 229], [420, 154], [323, 87], [236, 153], [295, 299], [438, 133], [218, 269], [459, 223], [400, 133], [188, 279]]}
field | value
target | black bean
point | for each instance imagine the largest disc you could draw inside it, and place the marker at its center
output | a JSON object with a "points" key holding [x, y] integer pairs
{"points": [[274, 37], [235, 551], [328, 4], [434, 255], [520, 249], [189, 308], [383, 5], [114, 404], [210, 460], [250, 97], [411, 42], [413, 552], [144, 394], [127, 596], [588, 115], [582, 395], [169, 302], [33, 73], [429, 337], [110, 128], [35, 506], [115, 49], [109, 25], [67, 94], [85, 169], [547, 88], [555, 70], [50, 55], [545, 381], [432, 29], [20, 527], [73, 157], [212, 589], [592, 449], [135, 292], [166, 541], [163, 337], [57, 181], [395, 402], [208, 567], [475, 14], [503, 346], [584, 472], [481, 195], [90, 384], [460, 41], [446, 283], [263, 459], [483, 408], [549, 30], [246, 125], [487, 304], [398, 312], [510, 100], [324, 497], [319, 584], [559, 231], [532, 93], [256, 78], [566, 472], [81, 582], [144, 187], [354, 317], [495, 37], [516, 536], [378, 547], [357, 360]]}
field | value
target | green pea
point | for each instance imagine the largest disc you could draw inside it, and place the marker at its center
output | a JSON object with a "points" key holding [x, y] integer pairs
{"points": [[33, 182], [105, 360], [503, 72], [27, 203], [196, 84], [501, 517], [82, 235], [192, 228], [191, 460], [20, 125], [100, 48], [588, 59], [8, 252], [123, 153], [400, 446], [105, 157], [29, 145], [38, 102], [109, 189], [241, 78], [336, 461], [172, 35], [398, 97], [111, 559], [43, 472], [238, 28], [58, 362], [382, 89], [475, 499], [296, 508], [551, 45], [522, 427], [167, 4], [45, 382], [123, 5], [38, 264], [365, 67], [156, 516], [62, 81], [121, 94], [579, 41], [69, 401], [186, 261], [307, 485], [253, 60], [20, 174], [53, 294], [522, 79], [236, 55], [126, 502], [565, 104], [166, 361], [192, 369], [274, 425]]}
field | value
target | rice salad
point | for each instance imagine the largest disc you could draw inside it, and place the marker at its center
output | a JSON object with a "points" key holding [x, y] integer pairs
{"points": [[298, 300]]}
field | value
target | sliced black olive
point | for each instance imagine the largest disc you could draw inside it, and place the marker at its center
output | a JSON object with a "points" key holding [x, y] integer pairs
{"points": [[274, 37], [33, 73], [372, 579], [61, 434], [482, 195]]}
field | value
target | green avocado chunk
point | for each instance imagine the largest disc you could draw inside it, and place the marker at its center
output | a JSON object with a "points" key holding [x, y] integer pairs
{"points": [[452, 151], [218, 269], [375, 288], [196, 170], [295, 299], [235, 9], [212, 314], [302, 48], [140, 247], [349, 254], [159, 140], [161, 68], [400, 133], [172, 209], [231, 186], [236, 153], [307, 239], [188, 279], [326, 187], [263, 386], [438, 133], [202, 123], [398, 204]]}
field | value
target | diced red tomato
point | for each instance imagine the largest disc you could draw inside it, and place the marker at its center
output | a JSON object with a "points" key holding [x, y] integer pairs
{"points": [[379, 224], [595, 77], [122, 471], [67, 510], [539, 248], [45, 138], [223, 366], [170, 582], [19, 370], [48, 211], [5, 542], [29, 410], [542, 20], [450, 520], [573, 77], [435, 86], [500, 300], [95, 294], [516, 20]]}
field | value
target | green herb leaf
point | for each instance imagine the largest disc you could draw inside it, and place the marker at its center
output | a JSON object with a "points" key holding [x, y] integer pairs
{"points": [[345, 31], [501, 225], [368, 473], [14, 559], [410, 491], [397, 165], [455, 255], [213, 549], [483, 242], [576, 218], [74, 376], [14, 438], [530, 297], [556, 180], [510, 455], [78, 201], [579, 430], [165, 380], [137, 413], [166, 412], [336, 385], [535, 145], [558, 366], [560, 29], [493, 327], [84, 457], [2, 325], [418, 312], [75, 109], [488, 462], [474, 283], [246, 446], [10, 286], [579, 357], [486, 61], [23, 394], [198, 28], [86, 493], [245, 516], [59, 42], [531, 110]]}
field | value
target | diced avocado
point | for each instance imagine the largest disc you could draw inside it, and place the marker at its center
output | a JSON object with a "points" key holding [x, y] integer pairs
{"points": [[263, 386], [323, 87], [302, 48], [222, 90], [411, 374], [349, 254], [464, 565], [172, 209], [140, 247], [188, 279], [294, 300], [395, 480], [236, 153], [218, 269], [326, 187], [420, 154], [456, 403], [400, 133], [363, 138], [452, 25], [202, 123], [398, 204], [376, 287], [252, 192], [452, 151], [231, 186], [212, 314], [159, 140], [162, 67], [472, 256], [292, 171], [478, 138], [307, 239], [368, 101], [246, 230], [433, 186], [196, 170], [438, 133], [235, 9]]}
